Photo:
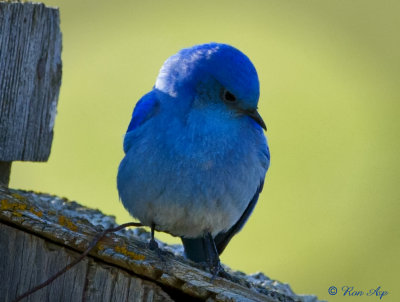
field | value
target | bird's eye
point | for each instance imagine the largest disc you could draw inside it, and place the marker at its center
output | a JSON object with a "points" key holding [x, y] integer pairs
{"points": [[228, 96]]}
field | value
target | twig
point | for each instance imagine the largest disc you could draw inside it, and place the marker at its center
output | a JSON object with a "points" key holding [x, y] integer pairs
{"points": [[79, 259]]}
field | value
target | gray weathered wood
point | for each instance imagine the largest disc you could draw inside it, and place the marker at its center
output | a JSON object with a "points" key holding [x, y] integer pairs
{"points": [[5, 170], [29, 259], [30, 79], [107, 283], [41, 233]]}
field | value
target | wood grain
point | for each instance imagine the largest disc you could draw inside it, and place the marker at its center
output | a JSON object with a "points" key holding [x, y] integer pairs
{"points": [[5, 171], [120, 266], [30, 79], [31, 260]]}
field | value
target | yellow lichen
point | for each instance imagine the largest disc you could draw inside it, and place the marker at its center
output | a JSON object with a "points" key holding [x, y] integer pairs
{"points": [[18, 196], [64, 221], [123, 250], [6, 205], [37, 213]]}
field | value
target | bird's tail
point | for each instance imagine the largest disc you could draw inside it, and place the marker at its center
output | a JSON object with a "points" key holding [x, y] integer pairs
{"points": [[195, 249]]}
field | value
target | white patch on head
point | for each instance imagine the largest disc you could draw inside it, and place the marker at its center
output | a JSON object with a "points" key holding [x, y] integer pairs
{"points": [[164, 82], [211, 51], [179, 67]]}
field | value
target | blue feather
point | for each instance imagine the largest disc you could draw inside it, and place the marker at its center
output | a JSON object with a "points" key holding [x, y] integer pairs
{"points": [[145, 108]]}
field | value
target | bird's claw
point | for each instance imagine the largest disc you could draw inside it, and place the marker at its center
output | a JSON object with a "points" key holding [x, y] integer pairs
{"points": [[153, 245], [216, 270]]}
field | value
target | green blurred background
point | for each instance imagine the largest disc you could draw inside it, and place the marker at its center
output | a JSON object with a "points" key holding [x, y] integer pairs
{"points": [[329, 73]]}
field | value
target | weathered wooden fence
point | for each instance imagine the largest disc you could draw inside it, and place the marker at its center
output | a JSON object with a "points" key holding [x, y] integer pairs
{"points": [[40, 234]]}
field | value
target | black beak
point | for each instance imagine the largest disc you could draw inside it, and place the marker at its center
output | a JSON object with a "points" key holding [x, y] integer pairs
{"points": [[257, 117]]}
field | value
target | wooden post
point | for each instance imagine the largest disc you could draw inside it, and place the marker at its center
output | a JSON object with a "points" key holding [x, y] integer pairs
{"points": [[5, 170], [30, 79]]}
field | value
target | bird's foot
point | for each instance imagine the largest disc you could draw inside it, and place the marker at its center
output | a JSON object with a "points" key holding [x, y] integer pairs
{"points": [[216, 270], [226, 275], [153, 245]]}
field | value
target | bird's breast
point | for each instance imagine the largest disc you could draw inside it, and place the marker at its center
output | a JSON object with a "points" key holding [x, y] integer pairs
{"points": [[192, 177]]}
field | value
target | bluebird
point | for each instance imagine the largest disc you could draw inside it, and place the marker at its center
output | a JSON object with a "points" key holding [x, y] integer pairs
{"points": [[195, 151]]}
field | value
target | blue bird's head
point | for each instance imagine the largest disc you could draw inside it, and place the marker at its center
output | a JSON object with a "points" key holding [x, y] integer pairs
{"points": [[213, 72]]}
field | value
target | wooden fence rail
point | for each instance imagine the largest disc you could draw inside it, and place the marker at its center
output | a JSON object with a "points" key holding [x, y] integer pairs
{"points": [[40, 234]]}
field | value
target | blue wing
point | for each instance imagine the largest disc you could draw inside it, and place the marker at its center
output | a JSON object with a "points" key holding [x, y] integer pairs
{"points": [[145, 108], [222, 239], [195, 248]]}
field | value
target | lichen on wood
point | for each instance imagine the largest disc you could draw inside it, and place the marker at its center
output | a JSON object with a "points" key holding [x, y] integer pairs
{"points": [[67, 228]]}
